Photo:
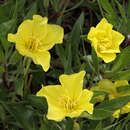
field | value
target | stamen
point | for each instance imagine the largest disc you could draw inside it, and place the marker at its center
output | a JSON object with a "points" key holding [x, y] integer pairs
{"points": [[68, 104], [32, 44]]}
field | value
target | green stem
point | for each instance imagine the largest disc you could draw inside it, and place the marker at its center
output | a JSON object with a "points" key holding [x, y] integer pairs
{"points": [[64, 8], [27, 67], [26, 75], [100, 8], [82, 40]]}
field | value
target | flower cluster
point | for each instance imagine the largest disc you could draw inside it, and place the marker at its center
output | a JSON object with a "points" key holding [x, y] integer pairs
{"points": [[36, 37]]}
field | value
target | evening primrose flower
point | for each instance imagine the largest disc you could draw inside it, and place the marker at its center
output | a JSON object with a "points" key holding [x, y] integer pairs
{"points": [[105, 40], [68, 99], [125, 108], [35, 37], [107, 86]]}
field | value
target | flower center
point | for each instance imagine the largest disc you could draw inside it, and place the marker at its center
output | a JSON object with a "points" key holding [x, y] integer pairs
{"points": [[32, 44], [68, 104], [104, 44]]}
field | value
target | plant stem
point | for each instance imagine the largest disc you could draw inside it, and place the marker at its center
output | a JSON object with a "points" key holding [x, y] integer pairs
{"points": [[26, 75]]}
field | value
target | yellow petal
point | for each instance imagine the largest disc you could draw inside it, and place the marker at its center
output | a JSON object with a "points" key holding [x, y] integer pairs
{"points": [[104, 25], [106, 85], [39, 19], [25, 30], [116, 114], [75, 113], [126, 108], [12, 37], [43, 59], [119, 83], [54, 34], [84, 101], [55, 113], [111, 51], [91, 34], [53, 94], [117, 38], [41, 92], [107, 57], [30, 29], [73, 84]]}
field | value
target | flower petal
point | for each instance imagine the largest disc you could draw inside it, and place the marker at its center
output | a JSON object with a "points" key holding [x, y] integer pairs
{"points": [[91, 34], [55, 113], [119, 83], [43, 59], [116, 113], [54, 34], [25, 30], [53, 94], [84, 101], [39, 19], [73, 84], [104, 25], [107, 57], [117, 38], [32, 29], [12, 37], [117, 50], [75, 113]]}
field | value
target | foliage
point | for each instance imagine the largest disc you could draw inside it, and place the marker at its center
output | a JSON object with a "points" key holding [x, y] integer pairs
{"points": [[19, 83]]}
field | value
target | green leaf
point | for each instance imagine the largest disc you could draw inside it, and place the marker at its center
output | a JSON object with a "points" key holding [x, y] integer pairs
{"points": [[99, 126], [122, 11], [55, 5], [7, 26], [111, 14], [46, 3], [75, 37], [95, 60], [123, 89], [2, 56], [122, 61], [121, 75], [2, 113], [18, 7], [106, 108], [37, 102], [128, 8], [61, 53], [69, 124], [75, 6], [19, 86], [21, 114], [32, 11], [16, 58], [5, 11], [4, 42]]}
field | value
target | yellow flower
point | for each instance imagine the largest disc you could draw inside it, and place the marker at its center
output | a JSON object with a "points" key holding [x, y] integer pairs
{"points": [[105, 41], [35, 37], [126, 108], [107, 86], [69, 98]]}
